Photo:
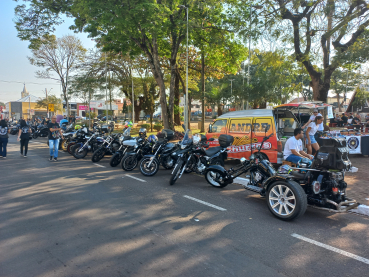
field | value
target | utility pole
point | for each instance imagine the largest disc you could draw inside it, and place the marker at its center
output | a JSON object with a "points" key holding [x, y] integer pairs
{"points": [[106, 91], [133, 100], [231, 89]]}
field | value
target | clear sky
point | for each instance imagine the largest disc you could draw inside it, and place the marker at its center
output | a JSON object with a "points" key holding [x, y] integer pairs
{"points": [[14, 65]]}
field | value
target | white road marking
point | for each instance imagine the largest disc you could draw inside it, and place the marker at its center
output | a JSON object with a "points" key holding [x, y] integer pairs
{"points": [[339, 251], [135, 178], [205, 203], [99, 165]]}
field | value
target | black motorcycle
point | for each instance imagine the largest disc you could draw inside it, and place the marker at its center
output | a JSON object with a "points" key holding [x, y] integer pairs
{"points": [[92, 143], [162, 150], [109, 146], [131, 158], [126, 144], [41, 131], [195, 157], [78, 137]]}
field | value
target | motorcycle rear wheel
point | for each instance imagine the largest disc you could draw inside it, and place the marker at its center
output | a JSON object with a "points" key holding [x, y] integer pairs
{"points": [[98, 155], [176, 172], [286, 200], [115, 159], [129, 162], [145, 170], [75, 151]]}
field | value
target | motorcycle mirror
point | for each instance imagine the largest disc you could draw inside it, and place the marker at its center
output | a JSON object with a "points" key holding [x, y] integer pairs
{"points": [[210, 128]]}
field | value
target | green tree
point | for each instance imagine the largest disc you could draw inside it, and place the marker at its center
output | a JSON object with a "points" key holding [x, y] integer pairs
{"points": [[335, 30], [155, 29], [51, 99], [59, 57]]}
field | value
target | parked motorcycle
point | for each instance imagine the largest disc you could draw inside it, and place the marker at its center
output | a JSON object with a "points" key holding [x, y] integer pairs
{"points": [[109, 146], [193, 155], [92, 143], [126, 144], [162, 150], [41, 131]]}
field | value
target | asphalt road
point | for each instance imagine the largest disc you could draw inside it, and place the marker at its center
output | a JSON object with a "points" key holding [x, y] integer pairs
{"points": [[76, 218]]}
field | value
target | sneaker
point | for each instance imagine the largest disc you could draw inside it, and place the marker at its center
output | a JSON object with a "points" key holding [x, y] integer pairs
{"points": [[51, 158], [55, 159], [25, 156]]}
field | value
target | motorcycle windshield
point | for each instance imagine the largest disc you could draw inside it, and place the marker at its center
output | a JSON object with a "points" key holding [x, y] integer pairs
{"points": [[127, 132], [187, 139]]}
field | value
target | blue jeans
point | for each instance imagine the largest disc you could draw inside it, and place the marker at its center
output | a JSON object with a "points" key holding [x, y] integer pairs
{"points": [[293, 159], [54, 147], [3, 143]]}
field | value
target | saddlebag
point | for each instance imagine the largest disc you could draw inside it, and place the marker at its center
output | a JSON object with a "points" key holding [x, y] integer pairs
{"points": [[168, 134]]}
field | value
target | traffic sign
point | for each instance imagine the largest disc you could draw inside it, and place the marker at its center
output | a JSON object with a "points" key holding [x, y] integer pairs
{"points": [[51, 107]]}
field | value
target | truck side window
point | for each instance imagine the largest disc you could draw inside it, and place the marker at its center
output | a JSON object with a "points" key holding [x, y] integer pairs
{"points": [[260, 125], [240, 126], [219, 126]]}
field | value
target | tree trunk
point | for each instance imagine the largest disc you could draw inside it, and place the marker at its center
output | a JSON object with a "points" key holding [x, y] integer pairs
{"points": [[263, 105], [202, 129], [172, 88], [219, 106], [177, 115], [338, 102]]}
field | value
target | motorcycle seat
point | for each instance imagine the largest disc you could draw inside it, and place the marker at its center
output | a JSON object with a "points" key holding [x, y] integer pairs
{"points": [[212, 151]]}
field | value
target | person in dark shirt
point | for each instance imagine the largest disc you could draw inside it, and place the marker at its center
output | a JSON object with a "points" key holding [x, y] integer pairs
{"points": [[344, 119], [54, 136], [23, 136], [356, 122]]}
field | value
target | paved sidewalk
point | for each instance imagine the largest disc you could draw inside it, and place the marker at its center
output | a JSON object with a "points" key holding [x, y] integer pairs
{"points": [[358, 182]]}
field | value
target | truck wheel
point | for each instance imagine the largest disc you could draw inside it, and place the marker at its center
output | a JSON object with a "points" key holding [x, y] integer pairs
{"points": [[286, 200]]}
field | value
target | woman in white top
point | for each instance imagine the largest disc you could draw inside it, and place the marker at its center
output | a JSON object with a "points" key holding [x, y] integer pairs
{"points": [[310, 132]]}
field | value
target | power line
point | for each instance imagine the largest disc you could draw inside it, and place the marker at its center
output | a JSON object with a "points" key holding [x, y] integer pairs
{"points": [[28, 82]]}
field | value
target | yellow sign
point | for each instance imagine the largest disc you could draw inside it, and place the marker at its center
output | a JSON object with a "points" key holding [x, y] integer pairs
{"points": [[51, 107]]}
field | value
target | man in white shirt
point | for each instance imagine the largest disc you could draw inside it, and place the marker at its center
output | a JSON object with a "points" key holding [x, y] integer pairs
{"points": [[293, 148], [312, 118]]}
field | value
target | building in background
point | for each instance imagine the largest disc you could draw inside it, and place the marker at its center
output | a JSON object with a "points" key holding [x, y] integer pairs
{"points": [[24, 108]]}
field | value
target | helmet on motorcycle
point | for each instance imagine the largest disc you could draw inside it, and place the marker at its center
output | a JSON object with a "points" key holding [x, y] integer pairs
{"points": [[128, 124], [152, 139], [77, 127], [142, 132], [196, 139], [284, 169]]}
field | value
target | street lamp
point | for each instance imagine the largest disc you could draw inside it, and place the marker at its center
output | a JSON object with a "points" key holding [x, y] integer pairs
{"points": [[186, 96], [258, 7]]}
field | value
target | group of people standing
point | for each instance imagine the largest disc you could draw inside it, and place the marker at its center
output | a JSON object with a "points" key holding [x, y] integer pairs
{"points": [[24, 134]]}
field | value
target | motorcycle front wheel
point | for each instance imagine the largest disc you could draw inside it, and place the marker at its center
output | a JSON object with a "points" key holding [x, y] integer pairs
{"points": [[34, 135], [78, 152], [147, 170], [176, 172], [69, 147], [129, 162], [115, 159], [286, 200], [64, 145], [214, 179], [98, 155]]}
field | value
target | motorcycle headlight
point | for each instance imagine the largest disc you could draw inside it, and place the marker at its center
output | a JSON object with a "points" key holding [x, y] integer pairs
{"points": [[183, 146], [74, 135]]}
